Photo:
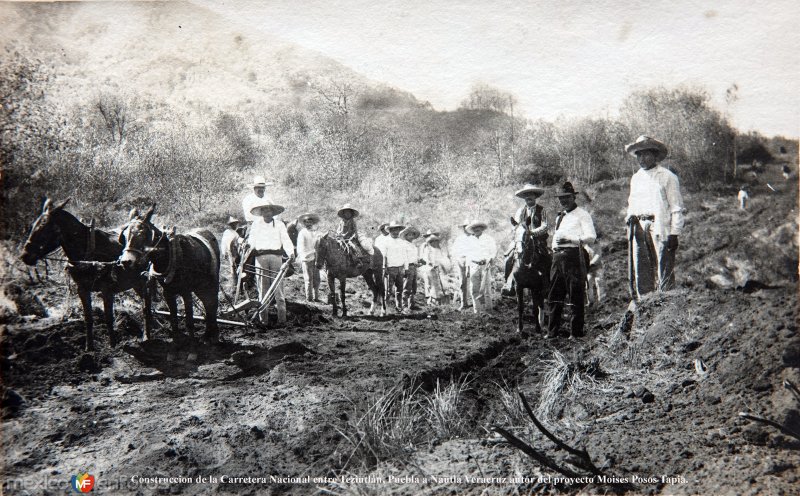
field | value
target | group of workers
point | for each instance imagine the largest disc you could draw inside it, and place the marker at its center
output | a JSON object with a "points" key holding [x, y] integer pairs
{"points": [[654, 220]]}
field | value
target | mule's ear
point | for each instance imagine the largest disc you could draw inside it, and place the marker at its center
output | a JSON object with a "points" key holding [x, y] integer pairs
{"points": [[134, 213], [46, 205], [63, 204], [149, 214], [121, 238]]}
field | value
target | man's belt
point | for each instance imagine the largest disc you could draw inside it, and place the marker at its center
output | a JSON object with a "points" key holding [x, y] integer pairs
{"points": [[637, 218], [258, 253], [564, 249]]}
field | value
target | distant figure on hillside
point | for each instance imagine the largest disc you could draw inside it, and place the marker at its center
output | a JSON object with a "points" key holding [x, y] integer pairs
{"points": [[528, 218], [786, 172], [744, 197], [459, 251], [574, 229], [654, 219], [256, 197], [306, 248], [480, 251], [229, 249]]}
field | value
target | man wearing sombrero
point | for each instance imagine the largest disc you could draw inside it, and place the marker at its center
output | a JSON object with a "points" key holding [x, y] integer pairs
{"points": [[459, 250], [395, 262], [269, 240], [409, 235], [307, 253], [480, 256], [258, 195], [529, 218], [574, 228], [349, 230], [436, 263], [229, 248], [654, 219]]}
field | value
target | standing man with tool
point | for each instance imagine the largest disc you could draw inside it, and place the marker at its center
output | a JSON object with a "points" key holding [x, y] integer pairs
{"points": [[654, 219], [480, 254], [574, 228], [459, 250], [269, 240]]}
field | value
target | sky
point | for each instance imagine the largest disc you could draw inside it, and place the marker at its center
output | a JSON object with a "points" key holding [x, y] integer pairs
{"points": [[559, 58]]}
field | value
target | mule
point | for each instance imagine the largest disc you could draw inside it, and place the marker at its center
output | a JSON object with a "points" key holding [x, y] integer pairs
{"points": [[532, 272], [85, 246], [333, 254], [182, 263]]}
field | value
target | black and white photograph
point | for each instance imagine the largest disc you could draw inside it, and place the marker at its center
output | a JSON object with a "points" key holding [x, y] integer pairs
{"points": [[357, 248]]}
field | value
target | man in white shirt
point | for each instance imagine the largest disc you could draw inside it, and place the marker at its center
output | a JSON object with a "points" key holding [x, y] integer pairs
{"points": [[480, 253], [307, 253], [654, 219], [269, 240], [744, 197], [574, 228], [378, 244], [258, 196], [459, 251], [395, 262]]}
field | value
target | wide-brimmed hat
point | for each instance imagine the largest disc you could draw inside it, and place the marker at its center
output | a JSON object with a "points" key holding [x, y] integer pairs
{"points": [[395, 225], [308, 215], [566, 189], [410, 233], [475, 224], [347, 207], [260, 181], [430, 232], [647, 143], [259, 208], [529, 190], [383, 228], [232, 220]]}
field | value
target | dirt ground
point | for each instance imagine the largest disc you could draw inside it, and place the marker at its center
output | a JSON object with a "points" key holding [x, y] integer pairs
{"points": [[655, 402]]}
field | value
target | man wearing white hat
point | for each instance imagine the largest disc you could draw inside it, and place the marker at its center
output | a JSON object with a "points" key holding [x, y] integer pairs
{"points": [[436, 262], [459, 250], [395, 262], [257, 196], [480, 255], [408, 235], [269, 240], [229, 248], [307, 253], [654, 219], [528, 218]]}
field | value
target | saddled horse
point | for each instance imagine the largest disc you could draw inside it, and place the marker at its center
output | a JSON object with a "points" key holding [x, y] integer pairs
{"points": [[182, 263], [92, 255], [531, 271], [333, 253]]}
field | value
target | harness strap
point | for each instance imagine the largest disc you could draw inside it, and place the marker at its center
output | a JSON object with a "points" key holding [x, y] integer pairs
{"points": [[90, 245], [174, 255]]}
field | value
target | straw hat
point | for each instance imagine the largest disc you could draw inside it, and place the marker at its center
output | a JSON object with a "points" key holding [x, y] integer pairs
{"points": [[395, 225], [347, 207], [475, 224], [529, 190], [430, 233], [410, 233], [232, 220], [647, 143], [261, 181], [259, 208], [566, 189], [308, 215]]}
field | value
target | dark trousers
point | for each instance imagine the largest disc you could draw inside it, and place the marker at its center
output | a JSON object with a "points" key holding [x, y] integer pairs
{"points": [[567, 285], [395, 279]]}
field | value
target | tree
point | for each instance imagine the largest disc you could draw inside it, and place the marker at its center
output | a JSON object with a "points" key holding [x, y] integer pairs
{"points": [[485, 97]]}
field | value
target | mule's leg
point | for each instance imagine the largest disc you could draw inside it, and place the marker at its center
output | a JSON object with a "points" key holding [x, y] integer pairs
{"points": [[520, 307], [380, 282], [108, 314], [369, 277], [342, 284], [86, 301], [188, 309], [172, 302], [147, 312], [210, 301], [332, 291], [538, 309]]}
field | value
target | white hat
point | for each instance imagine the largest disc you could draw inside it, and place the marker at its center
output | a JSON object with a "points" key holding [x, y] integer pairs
{"points": [[261, 181], [347, 206], [395, 225], [529, 190]]}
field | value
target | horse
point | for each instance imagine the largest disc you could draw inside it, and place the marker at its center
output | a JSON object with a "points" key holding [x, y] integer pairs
{"points": [[91, 255], [183, 264], [531, 271], [333, 254]]}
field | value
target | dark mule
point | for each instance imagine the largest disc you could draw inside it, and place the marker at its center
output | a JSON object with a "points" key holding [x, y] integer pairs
{"points": [[333, 255], [183, 264], [531, 271], [84, 247]]}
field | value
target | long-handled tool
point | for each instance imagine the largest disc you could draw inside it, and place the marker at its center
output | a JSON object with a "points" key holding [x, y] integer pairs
{"points": [[267, 298]]}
